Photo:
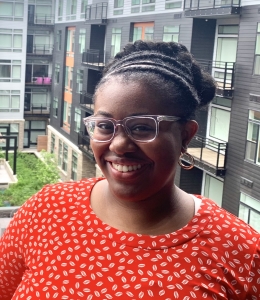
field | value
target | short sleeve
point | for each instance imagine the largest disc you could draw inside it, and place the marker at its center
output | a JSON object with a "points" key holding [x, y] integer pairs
{"points": [[13, 248], [254, 275]]}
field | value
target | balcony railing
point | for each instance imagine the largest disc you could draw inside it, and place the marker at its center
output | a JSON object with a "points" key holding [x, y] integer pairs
{"points": [[96, 12], [40, 19], [84, 145], [223, 73], [37, 109], [93, 58], [209, 155], [211, 8], [86, 101], [40, 49], [40, 80]]}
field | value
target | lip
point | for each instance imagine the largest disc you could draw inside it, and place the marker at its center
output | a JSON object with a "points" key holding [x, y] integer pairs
{"points": [[130, 175]]}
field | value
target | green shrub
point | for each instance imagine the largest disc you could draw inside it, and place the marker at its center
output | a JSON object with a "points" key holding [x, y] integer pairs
{"points": [[32, 175]]}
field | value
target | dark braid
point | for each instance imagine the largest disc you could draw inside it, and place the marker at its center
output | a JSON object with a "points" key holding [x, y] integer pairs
{"points": [[168, 66]]}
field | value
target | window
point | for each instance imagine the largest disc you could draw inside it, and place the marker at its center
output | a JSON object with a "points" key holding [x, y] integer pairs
{"points": [[257, 52], [213, 189], [37, 72], [71, 9], [9, 129], [77, 119], [173, 5], [83, 7], [219, 123], [171, 33], [65, 158], [80, 74], [68, 79], [10, 70], [57, 73], [143, 31], [70, 41], [55, 107], [116, 41], [249, 211], [253, 141], [11, 11], [60, 10], [52, 143], [9, 101], [74, 165], [11, 40], [60, 153], [82, 40], [118, 4], [36, 99], [148, 8], [58, 40], [135, 2], [227, 43]]}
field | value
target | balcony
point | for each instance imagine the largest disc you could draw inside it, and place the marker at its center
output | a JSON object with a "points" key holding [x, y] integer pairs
{"points": [[41, 50], [96, 13], [84, 145], [223, 73], [211, 8], [94, 59], [40, 81], [209, 155], [86, 102], [40, 19], [37, 109]]}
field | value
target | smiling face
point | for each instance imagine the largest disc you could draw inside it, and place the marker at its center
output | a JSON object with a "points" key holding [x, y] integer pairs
{"points": [[136, 171]]}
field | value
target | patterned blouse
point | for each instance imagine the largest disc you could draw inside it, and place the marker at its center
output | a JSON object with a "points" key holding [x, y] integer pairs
{"points": [[57, 248]]}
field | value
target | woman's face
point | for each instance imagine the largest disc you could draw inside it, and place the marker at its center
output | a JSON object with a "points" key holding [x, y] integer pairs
{"points": [[153, 164]]}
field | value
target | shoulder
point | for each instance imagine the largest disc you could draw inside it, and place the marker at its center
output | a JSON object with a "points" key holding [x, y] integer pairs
{"points": [[58, 194], [228, 224]]}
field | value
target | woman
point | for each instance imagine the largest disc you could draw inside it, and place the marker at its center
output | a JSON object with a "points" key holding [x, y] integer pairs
{"points": [[134, 234]]}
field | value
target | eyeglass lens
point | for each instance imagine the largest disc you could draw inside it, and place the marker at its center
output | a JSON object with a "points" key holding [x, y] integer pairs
{"points": [[142, 129]]}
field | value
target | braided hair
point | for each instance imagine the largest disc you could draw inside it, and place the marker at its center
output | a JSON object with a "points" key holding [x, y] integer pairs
{"points": [[167, 67]]}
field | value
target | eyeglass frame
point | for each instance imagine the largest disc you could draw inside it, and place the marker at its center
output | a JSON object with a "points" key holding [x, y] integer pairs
{"points": [[156, 118]]}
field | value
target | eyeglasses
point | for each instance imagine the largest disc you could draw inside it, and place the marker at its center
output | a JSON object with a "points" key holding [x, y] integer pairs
{"points": [[141, 129]]}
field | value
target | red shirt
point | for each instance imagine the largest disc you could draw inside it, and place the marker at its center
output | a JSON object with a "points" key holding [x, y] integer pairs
{"points": [[57, 248]]}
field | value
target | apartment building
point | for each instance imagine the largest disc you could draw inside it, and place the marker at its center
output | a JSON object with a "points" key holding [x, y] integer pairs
{"points": [[53, 78], [26, 35]]}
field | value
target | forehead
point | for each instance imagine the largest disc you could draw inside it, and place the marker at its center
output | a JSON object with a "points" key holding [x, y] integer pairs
{"points": [[129, 97]]}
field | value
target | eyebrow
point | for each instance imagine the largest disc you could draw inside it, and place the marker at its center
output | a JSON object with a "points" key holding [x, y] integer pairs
{"points": [[108, 115]]}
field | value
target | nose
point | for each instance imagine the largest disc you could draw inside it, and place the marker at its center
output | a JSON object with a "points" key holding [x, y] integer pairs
{"points": [[122, 143]]}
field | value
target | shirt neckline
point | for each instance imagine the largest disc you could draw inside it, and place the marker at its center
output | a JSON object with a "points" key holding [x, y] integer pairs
{"points": [[148, 242]]}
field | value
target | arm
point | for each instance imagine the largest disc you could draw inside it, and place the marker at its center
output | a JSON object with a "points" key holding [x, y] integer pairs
{"points": [[13, 249], [253, 278]]}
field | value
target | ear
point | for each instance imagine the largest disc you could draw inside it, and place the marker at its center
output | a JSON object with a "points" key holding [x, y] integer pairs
{"points": [[190, 128]]}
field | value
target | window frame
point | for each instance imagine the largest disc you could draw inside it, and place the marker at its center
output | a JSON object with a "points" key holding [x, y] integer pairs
{"points": [[257, 55]]}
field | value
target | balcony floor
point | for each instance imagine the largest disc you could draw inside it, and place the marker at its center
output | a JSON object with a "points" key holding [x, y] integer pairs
{"points": [[208, 156]]}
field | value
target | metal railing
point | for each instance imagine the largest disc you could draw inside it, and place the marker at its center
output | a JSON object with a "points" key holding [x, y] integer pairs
{"points": [[84, 145], [40, 80], [209, 151], [41, 19], [223, 73], [93, 57], [40, 49], [205, 4], [86, 101], [96, 11], [37, 109]]}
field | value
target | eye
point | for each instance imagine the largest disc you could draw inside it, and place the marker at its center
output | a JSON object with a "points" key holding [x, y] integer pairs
{"points": [[105, 126], [142, 128]]}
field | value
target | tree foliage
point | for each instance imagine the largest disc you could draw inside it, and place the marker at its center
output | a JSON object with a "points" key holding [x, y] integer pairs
{"points": [[32, 175]]}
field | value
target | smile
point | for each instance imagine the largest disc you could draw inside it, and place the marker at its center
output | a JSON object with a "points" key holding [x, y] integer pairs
{"points": [[125, 168]]}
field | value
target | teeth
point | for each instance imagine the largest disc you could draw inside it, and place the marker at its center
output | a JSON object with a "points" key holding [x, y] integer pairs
{"points": [[124, 168]]}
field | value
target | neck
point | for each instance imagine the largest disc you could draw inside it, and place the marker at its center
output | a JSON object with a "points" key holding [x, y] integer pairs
{"points": [[161, 213]]}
